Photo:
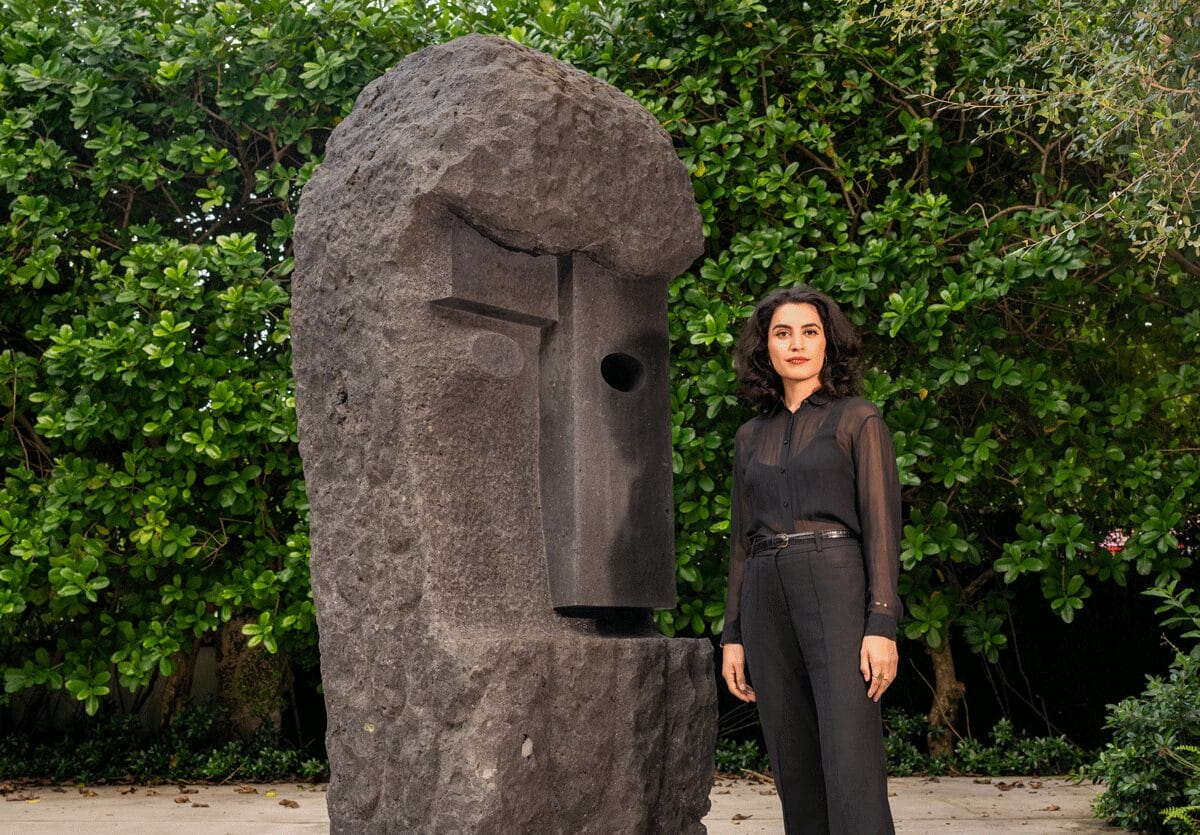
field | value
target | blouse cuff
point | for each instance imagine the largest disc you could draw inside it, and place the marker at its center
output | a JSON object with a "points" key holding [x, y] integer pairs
{"points": [[731, 634], [881, 624]]}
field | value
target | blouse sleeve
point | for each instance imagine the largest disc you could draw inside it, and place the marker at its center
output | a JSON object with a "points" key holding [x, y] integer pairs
{"points": [[738, 545], [878, 496]]}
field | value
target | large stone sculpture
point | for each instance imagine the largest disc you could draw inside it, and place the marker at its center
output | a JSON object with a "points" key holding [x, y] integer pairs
{"points": [[481, 360]]}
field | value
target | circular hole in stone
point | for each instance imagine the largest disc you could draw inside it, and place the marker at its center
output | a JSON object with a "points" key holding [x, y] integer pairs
{"points": [[621, 371]]}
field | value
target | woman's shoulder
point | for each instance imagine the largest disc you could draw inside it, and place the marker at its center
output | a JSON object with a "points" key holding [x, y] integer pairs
{"points": [[751, 426], [858, 408], [748, 430]]}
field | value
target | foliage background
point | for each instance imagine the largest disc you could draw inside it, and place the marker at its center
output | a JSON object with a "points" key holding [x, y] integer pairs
{"points": [[152, 155], [1000, 194]]}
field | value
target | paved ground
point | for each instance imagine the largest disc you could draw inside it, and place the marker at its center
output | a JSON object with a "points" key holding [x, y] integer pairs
{"points": [[923, 806], [740, 807]]}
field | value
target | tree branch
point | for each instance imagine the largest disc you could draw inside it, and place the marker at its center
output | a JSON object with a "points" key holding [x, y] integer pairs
{"points": [[973, 587], [1189, 266]]}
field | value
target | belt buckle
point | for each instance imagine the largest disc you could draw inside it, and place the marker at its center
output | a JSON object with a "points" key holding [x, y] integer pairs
{"points": [[783, 539]]}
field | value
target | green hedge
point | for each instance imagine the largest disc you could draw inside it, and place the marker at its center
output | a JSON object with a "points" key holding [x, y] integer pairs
{"points": [[1037, 369], [196, 747]]}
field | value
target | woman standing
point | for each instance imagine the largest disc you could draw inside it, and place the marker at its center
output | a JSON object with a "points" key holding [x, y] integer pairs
{"points": [[814, 544]]}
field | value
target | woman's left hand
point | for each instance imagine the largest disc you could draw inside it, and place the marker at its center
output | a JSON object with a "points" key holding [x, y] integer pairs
{"points": [[878, 660]]}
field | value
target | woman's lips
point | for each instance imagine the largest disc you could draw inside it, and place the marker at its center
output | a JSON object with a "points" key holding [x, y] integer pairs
{"points": [[797, 360]]}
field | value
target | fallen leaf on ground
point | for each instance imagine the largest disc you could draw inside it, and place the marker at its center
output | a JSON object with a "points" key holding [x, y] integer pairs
{"points": [[1007, 787], [721, 791], [1052, 808], [86, 792], [186, 790], [1035, 784], [983, 781], [766, 792], [244, 789], [270, 793], [741, 817], [933, 779], [129, 790], [22, 796], [196, 805], [151, 791], [183, 799], [291, 804]]}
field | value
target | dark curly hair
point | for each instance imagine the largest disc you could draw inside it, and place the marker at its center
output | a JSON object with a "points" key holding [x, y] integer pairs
{"points": [[841, 375]]}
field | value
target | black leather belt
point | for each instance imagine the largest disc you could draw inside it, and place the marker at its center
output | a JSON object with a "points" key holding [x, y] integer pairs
{"points": [[783, 540]]}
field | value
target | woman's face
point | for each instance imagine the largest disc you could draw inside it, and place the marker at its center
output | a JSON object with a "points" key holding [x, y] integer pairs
{"points": [[796, 345]]}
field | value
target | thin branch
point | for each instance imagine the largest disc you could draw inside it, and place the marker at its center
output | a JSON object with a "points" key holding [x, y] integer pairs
{"points": [[128, 211], [1189, 266], [1165, 89], [34, 439], [829, 169], [226, 218], [979, 582], [762, 77], [987, 221]]}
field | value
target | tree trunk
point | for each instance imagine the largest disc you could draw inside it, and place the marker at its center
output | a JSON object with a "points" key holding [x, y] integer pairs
{"points": [[250, 682], [177, 690], [948, 692]]}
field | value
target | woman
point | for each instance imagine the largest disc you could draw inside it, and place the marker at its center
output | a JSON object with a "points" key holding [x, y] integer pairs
{"points": [[814, 542]]}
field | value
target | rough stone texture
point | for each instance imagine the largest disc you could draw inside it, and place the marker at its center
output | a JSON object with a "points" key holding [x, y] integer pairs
{"points": [[480, 355]]}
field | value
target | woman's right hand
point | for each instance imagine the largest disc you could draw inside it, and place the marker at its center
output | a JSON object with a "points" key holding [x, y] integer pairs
{"points": [[733, 670]]}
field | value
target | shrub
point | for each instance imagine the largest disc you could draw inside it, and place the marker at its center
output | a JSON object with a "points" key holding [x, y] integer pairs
{"points": [[904, 746], [737, 757], [151, 159], [195, 748], [1014, 754], [1151, 764]]}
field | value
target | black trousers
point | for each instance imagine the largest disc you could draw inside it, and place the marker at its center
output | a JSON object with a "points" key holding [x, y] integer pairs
{"points": [[803, 615]]}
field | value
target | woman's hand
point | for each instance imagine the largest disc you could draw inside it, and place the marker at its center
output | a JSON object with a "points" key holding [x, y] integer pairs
{"points": [[733, 670], [878, 660]]}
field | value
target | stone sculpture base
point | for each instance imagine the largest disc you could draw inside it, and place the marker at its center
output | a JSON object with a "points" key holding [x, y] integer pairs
{"points": [[544, 734]]}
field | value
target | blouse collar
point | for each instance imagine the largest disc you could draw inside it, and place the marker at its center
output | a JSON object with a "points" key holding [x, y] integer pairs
{"points": [[818, 398]]}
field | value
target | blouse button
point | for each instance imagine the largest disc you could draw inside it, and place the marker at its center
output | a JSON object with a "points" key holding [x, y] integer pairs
{"points": [[785, 504], [783, 469]]}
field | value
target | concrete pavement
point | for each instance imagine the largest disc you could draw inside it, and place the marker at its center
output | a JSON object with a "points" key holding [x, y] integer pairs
{"points": [[924, 806], [740, 807]]}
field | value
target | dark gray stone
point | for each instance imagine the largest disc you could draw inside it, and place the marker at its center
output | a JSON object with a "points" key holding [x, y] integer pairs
{"points": [[481, 360], [606, 444]]}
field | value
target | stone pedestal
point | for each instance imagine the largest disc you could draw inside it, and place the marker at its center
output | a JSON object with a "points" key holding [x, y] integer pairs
{"points": [[551, 734]]}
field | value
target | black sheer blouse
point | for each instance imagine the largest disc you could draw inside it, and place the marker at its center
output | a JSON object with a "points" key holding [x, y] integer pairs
{"points": [[830, 464]]}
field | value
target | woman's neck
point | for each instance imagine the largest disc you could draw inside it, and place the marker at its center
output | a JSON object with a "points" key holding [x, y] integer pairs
{"points": [[797, 393]]}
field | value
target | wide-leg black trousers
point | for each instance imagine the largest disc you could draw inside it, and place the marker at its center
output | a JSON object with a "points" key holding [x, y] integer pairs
{"points": [[803, 615]]}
